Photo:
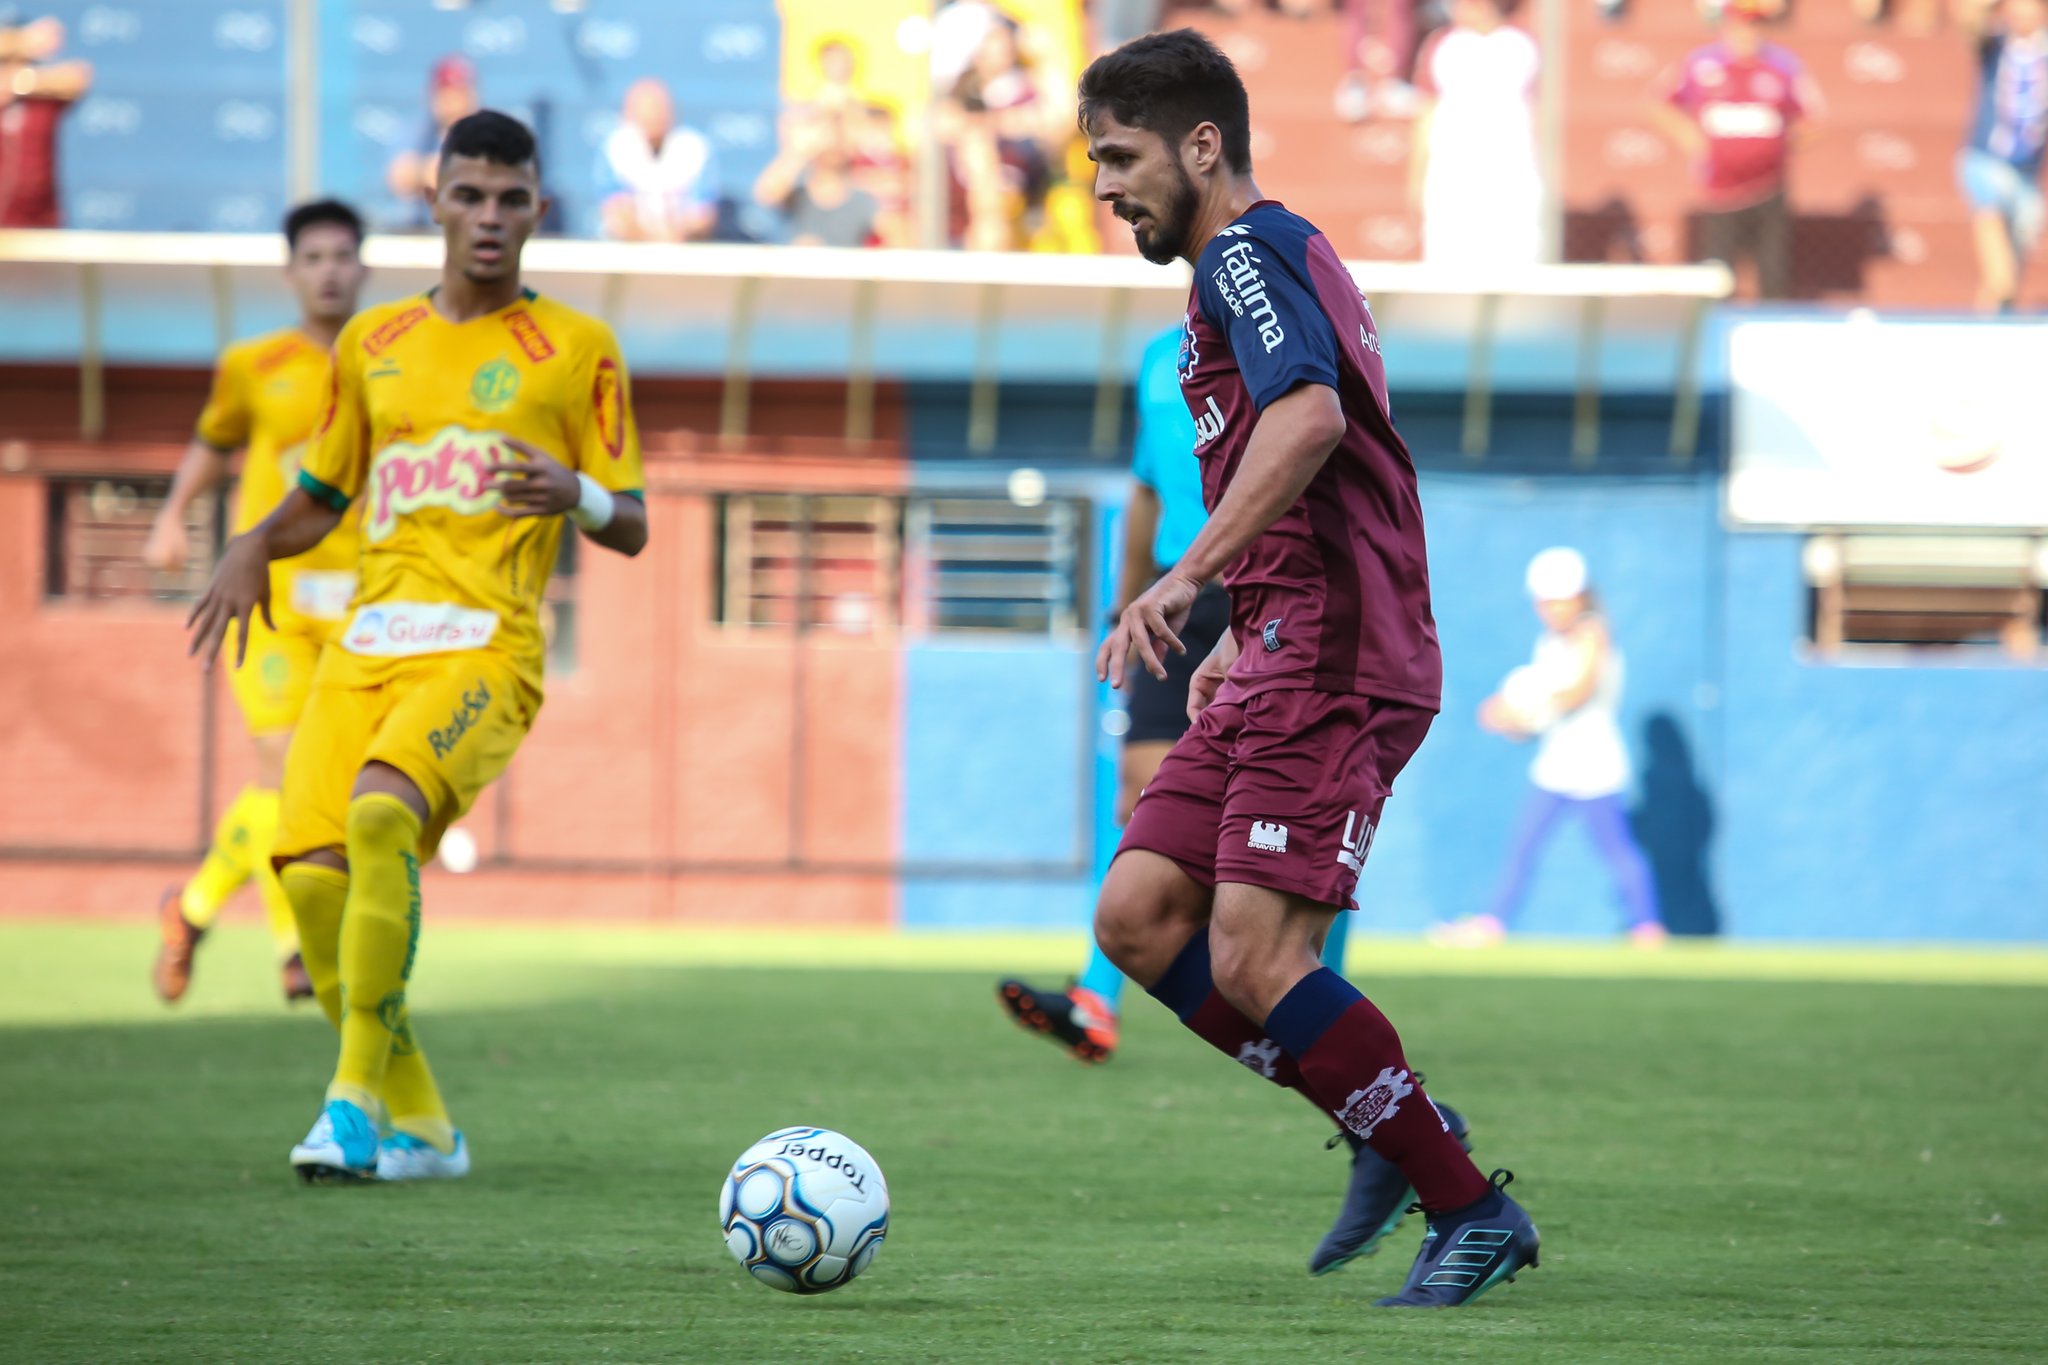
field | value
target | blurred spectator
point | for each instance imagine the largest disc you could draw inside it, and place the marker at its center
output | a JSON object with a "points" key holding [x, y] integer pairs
{"points": [[998, 128], [1732, 107], [451, 95], [838, 80], [34, 94], [957, 33], [1379, 59], [811, 184], [1473, 170], [881, 168], [2000, 166], [659, 181], [1567, 698]]}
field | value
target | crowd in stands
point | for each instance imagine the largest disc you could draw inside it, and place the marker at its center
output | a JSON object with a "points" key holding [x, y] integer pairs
{"points": [[992, 161]]}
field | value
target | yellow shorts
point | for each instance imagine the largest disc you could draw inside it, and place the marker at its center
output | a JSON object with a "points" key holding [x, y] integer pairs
{"points": [[271, 685], [450, 722]]}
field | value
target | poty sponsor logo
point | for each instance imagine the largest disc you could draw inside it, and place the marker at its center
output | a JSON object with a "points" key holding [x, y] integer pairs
{"points": [[1245, 292], [528, 334], [450, 470], [831, 1161], [475, 702], [396, 629], [377, 342], [1269, 635], [1208, 425]]}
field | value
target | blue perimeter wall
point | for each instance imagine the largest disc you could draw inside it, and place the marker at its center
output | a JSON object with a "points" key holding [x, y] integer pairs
{"points": [[1777, 798]]}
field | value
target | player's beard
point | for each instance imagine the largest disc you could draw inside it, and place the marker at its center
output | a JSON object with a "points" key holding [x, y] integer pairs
{"points": [[1167, 238]]}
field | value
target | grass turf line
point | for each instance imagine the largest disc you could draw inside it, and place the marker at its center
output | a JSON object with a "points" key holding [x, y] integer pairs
{"points": [[1753, 1170]]}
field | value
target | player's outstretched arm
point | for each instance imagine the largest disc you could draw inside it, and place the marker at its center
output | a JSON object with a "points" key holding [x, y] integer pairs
{"points": [[240, 587], [1295, 434], [539, 485], [201, 471]]}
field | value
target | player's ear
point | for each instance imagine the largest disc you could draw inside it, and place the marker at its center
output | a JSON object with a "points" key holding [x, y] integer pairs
{"points": [[1204, 148], [543, 207]]}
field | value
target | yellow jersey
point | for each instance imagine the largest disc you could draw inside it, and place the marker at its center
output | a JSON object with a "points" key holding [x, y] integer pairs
{"points": [[268, 396], [419, 410]]}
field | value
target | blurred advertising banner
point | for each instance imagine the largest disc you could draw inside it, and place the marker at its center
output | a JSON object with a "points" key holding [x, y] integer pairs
{"points": [[1909, 424]]}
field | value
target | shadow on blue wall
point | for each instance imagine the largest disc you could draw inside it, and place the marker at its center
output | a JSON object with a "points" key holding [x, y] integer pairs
{"points": [[1674, 822]]}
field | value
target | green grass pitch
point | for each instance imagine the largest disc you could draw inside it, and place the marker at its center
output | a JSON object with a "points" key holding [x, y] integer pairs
{"points": [[1723, 1170]]}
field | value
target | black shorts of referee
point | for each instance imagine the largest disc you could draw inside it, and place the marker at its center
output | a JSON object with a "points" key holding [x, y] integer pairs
{"points": [[1159, 710]]}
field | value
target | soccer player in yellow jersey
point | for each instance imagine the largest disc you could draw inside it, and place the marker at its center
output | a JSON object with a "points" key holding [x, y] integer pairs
{"points": [[465, 424], [268, 396]]}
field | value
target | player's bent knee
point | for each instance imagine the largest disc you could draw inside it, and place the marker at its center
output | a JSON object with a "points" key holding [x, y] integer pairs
{"points": [[381, 819], [1144, 914]]}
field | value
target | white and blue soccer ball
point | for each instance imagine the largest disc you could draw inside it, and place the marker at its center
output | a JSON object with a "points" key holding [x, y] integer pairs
{"points": [[804, 1210]]}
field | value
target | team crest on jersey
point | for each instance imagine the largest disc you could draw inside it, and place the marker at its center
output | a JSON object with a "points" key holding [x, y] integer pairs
{"points": [[450, 469], [1367, 1109], [1190, 354], [608, 403], [494, 386]]}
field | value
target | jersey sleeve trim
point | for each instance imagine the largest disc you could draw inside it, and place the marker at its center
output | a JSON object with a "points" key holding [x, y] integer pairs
{"points": [[327, 495], [1288, 380]]}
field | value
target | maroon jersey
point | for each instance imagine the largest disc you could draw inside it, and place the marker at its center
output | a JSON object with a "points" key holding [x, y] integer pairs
{"points": [[28, 162], [1746, 110], [1334, 595]]}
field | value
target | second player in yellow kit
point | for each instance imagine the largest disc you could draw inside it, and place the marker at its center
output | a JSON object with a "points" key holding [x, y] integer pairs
{"points": [[465, 425], [267, 399], [439, 665]]}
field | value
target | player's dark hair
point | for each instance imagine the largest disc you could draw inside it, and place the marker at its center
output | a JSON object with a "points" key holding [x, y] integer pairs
{"points": [[317, 211], [1170, 83], [488, 135]]}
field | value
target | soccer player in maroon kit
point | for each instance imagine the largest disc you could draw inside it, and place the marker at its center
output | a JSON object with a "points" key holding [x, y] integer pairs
{"points": [[1259, 821]]}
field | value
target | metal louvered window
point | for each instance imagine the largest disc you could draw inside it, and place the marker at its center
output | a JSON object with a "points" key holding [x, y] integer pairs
{"points": [[95, 530], [862, 564]]}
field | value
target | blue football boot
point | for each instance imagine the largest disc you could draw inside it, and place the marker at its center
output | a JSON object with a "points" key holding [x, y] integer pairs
{"points": [[341, 1146], [1376, 1202], [1470, 1250]]}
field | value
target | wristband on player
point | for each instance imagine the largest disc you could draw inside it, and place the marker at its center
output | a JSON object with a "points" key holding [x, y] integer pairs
{"points": [[593, 510]]}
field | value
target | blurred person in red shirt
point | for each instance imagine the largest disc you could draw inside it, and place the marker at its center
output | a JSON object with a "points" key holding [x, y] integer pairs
{"points": [[34, 94], [1736, 107], [451, 95]]}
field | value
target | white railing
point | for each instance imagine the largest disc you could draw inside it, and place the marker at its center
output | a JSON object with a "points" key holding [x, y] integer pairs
{"points": [[742, 310]]}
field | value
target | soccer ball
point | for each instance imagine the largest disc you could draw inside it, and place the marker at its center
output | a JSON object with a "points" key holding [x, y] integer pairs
{"points": [[804, 1210]]}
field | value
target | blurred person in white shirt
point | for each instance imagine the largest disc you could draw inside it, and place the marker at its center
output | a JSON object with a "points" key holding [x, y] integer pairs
{"points": [[1473, 171], [659, 182]]}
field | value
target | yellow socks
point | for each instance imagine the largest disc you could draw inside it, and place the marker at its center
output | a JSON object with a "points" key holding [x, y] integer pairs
{"points": [[241, 846], [380, 1059], [318, 895]]}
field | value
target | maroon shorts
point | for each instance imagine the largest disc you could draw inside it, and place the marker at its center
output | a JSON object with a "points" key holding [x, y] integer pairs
{"points": [[1281, 790]]}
